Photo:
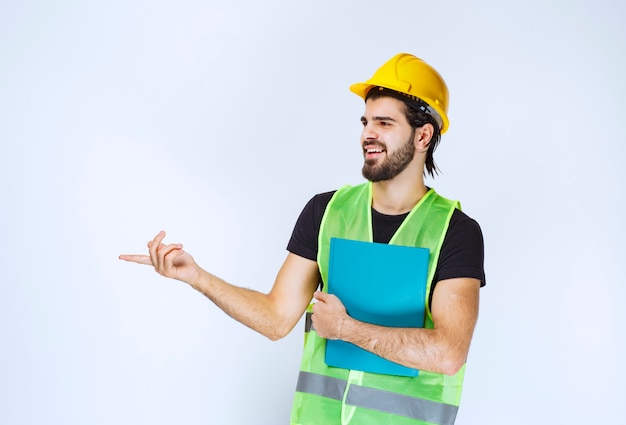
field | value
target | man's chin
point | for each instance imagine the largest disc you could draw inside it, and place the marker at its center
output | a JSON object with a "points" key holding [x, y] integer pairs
{"points": [[372, 175]]}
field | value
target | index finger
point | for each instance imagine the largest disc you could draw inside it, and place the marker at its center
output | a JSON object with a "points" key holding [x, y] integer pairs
{"points": [[140, 259]]}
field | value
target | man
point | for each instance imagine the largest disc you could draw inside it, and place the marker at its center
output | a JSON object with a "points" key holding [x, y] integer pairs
{"points": [[405, 113]]}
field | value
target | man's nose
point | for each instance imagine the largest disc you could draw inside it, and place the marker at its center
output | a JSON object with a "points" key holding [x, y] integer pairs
{"points": [[369, 132]]}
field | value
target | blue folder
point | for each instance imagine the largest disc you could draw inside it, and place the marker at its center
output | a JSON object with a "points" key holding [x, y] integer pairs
{"points": [[380, 284]]}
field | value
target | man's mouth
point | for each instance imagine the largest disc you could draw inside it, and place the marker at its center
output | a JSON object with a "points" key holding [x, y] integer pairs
{"points": [[373, 151]]}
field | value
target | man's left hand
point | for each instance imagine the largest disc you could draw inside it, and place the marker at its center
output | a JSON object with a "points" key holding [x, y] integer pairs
{"points": [[330, 318]]}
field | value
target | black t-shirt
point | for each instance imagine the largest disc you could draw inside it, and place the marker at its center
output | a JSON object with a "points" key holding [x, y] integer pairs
{"points": [[462, 252]]}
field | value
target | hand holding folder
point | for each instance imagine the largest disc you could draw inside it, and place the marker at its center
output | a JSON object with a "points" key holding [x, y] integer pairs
{"points": [[379, 284]]}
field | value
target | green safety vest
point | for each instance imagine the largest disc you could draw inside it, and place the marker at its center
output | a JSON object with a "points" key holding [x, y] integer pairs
{"points": [[330, 396]]}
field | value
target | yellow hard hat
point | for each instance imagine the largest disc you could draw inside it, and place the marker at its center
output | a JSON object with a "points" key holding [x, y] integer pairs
{"points": [[414, 78]]}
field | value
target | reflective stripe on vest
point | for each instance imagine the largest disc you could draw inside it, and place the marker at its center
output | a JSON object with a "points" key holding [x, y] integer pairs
{"points": [[321, 385], [372, 398], [308, 322]]}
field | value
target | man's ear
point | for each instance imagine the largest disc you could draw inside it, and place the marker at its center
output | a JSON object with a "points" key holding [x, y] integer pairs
{"points": [[423, 136]]}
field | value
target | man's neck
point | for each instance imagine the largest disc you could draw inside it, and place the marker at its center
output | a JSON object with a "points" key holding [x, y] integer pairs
{"points": [[397, 196]]}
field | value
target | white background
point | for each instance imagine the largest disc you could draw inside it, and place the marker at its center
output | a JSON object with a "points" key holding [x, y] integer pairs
{"points": [[217, 121]]}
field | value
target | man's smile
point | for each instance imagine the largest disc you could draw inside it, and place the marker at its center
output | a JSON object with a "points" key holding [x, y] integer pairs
{"points": [[372, 151]]}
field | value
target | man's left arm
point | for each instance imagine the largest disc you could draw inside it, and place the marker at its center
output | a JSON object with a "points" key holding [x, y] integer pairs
{"points": [[442, 349]]}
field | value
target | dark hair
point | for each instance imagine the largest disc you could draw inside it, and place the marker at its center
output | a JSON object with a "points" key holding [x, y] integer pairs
{"points": [[416, 119]]}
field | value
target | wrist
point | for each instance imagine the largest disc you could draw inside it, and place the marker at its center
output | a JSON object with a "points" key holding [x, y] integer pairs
{"points": [[346, 328], [199, 279]]}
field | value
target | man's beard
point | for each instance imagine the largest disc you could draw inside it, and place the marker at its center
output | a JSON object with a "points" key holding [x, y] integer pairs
{"points": [[392, 165]]}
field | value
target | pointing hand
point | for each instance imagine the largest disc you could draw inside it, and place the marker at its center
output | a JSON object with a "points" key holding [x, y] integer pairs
{"points": [[168, 260]]}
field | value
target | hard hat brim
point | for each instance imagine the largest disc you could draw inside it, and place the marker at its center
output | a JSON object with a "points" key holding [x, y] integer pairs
{"points": [[362, 89]]}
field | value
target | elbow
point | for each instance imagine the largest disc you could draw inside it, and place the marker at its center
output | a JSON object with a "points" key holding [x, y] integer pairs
{"points": [[277, 333], [451, 365], [275, 336], [451, 368]]}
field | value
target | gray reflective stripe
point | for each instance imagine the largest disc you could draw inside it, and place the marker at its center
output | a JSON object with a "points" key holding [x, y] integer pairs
{"points": [[308, 323], [383, 401], [325, 386], [402, 405]]}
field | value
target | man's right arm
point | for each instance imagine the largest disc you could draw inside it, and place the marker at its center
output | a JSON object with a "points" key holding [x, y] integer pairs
{"points": [[273, 314]]}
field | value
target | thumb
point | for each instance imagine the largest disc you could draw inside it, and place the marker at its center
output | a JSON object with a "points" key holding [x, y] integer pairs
{"points": [[321, 296]]}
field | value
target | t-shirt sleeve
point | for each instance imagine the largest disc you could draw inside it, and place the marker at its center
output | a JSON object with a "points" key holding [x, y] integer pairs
{"points": [[462, 253], [303, 241]]}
